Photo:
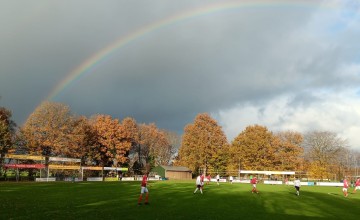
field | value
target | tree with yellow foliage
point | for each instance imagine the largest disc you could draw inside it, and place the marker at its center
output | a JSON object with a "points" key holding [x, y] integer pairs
{"points": [[255, 148], [204, 146], [289, 154]]}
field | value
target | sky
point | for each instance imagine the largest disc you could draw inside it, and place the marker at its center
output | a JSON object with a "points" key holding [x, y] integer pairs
{"points": [[287, 65]]}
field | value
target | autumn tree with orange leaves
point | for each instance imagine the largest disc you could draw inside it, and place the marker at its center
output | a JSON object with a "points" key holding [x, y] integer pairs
{"points": [[86, 138], [7, 132], [113, 139], [255, 148], [204, 146], [51, 130], [289, 155]]}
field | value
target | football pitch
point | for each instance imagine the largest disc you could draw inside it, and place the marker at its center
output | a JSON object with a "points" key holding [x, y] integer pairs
{"points": [[173, 200]]}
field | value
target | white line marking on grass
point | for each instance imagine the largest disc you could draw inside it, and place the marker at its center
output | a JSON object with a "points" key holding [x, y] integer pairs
{"points": [[333, 194]]}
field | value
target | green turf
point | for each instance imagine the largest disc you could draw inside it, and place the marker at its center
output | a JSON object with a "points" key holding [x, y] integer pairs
{"points": [[172, 200]]}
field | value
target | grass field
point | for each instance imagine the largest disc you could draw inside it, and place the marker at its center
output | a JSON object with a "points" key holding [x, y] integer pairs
{"points": [[172, 200]]}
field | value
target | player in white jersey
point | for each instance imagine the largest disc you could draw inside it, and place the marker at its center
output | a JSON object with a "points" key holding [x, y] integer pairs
{"points": [[199, 183], [297, 185]]}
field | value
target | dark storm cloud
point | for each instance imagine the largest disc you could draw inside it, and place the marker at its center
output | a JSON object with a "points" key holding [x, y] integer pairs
{"points": [[240, 58]]}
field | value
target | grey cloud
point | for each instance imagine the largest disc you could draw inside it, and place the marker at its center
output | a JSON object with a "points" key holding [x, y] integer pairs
{"points": [[202, 64]]}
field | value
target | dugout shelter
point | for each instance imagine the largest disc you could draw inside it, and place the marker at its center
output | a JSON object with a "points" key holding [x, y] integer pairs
{"points": [[173, 172]]}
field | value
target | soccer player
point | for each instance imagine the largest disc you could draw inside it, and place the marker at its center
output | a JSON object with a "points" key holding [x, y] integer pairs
{"points": [[144, 189], [231, 179], [199, 183], [209, 179], [254, 182], [357, 185], [297, 185], [345, 188], [286, 181], [218, 179]]}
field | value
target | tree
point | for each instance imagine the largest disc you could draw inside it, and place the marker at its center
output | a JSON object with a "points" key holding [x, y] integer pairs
{"points": [[323, 149], [50, 130], [113, 139], [175, 142], [163, 150], [7, 132], [85, 137], [150, 146], [289, 152], [352, 159], [256, 148], [133, 129], [204, 146], [155, 148], [317, 170], [345, 163]]}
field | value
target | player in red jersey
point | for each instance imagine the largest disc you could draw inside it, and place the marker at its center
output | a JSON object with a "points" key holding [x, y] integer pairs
{"points": [[357, 184], [209, 179], [286, 181], [144, 189], [345, 188], [253, 181]]}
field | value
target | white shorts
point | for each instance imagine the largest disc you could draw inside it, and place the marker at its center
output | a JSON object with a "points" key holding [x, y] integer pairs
{"points": [[357, 187], [144, 190], [254, 185], [344, 189]]}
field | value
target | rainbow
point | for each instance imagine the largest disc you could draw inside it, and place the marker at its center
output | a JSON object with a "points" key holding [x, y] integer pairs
{"points": [[88, 65]]}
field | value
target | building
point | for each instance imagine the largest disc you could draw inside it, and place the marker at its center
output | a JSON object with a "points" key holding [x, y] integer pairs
{"points": [[173, 172]]}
